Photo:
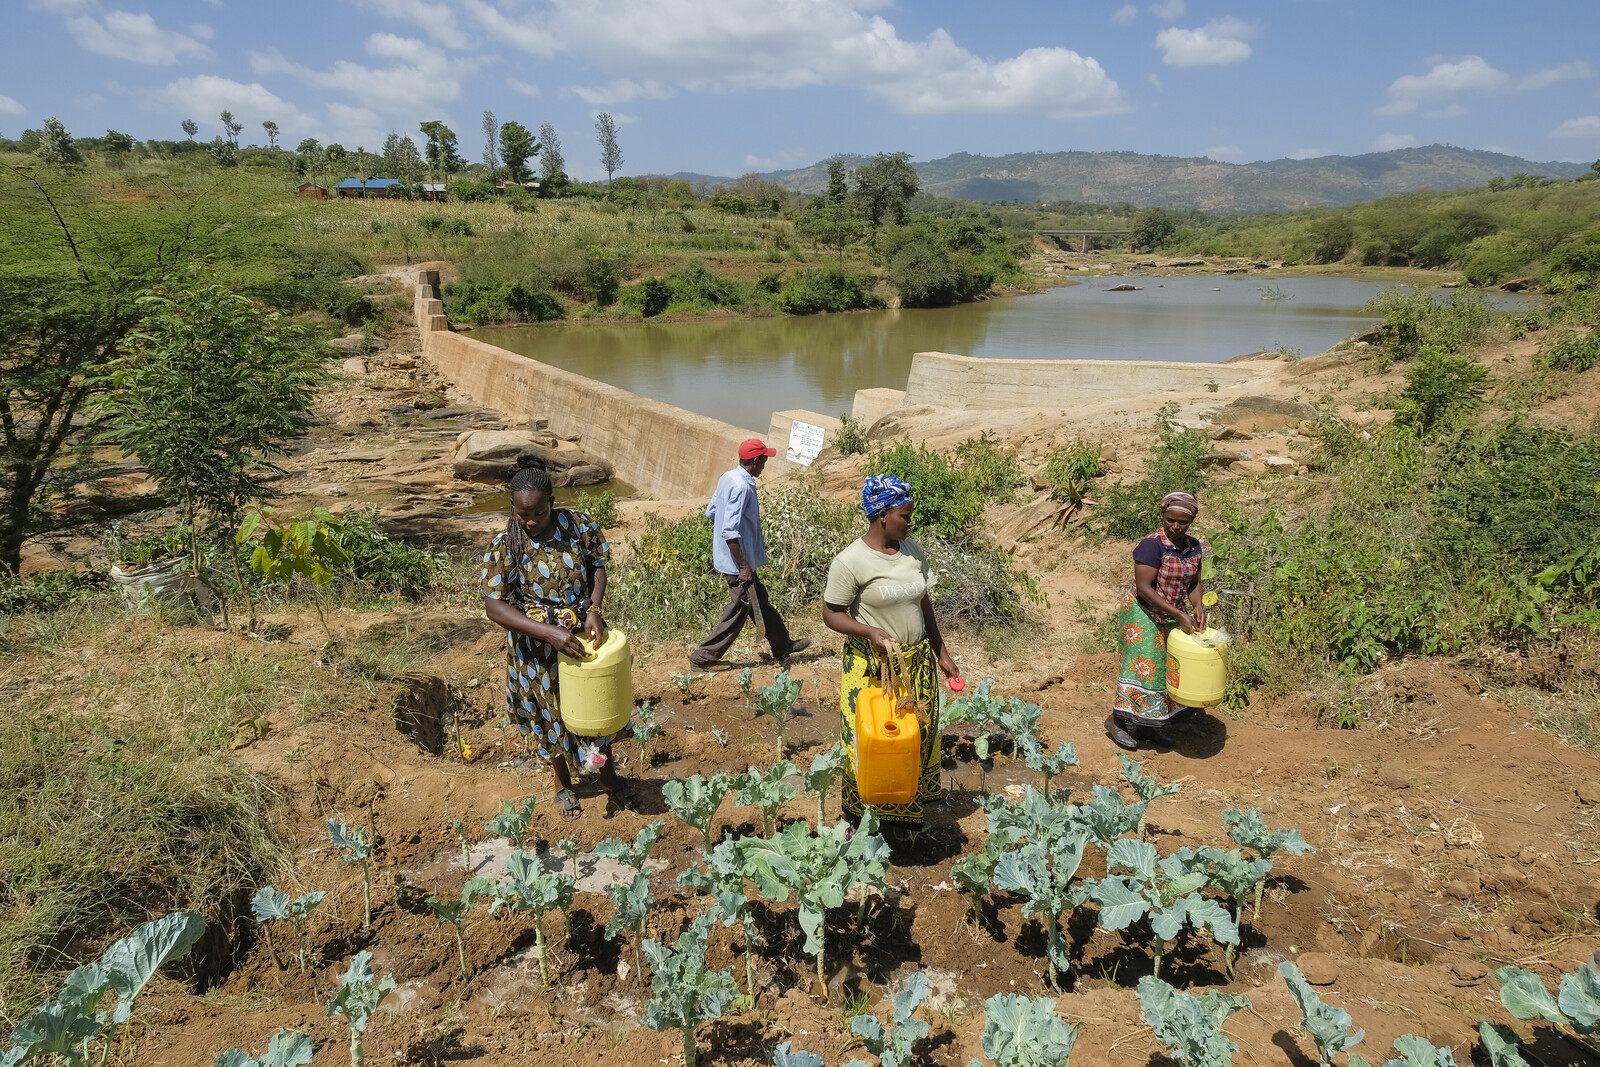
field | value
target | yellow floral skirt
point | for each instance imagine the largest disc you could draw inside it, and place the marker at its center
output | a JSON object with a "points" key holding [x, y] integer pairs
{"points": [[860, 669]]}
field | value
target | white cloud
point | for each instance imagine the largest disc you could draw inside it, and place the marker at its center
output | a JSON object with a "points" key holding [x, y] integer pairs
{"points": [[1168, 9], [525, 88], [422, 74], [1217, 43], [203, 96], [1543, 79], [1309, 153], [1587, 126], [1388, 142], [1228, 153], [125, 35], [201, 32], [9, 106], [1156, 81], [1472, 74], [1449, 111], [438, 20], [737, 45], [1124, 15], [620, 92]]}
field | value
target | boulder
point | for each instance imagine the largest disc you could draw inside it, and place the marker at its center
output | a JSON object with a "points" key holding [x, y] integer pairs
{"points": [[358, 342], [1248, 466], [1281, 464], [587, 474], [1125, 287], [484, 455], [1223, 459], [1252, 413], [1230, 433], [355, 365], [1589, 792], [1394, 777], [1184, 263]]}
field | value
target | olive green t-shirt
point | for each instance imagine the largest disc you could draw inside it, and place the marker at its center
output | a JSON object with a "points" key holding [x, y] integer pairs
{"points": [[882, 590]]}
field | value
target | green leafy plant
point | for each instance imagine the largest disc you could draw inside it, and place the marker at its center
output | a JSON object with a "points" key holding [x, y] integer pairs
{"points": [[512, 822], [66, 1027], [784, 1056], [695, 800], [1166, 889], [746, 680], [1249, 830], [634, 901], [1415, 1052], [820, 869], [459, 828], [303, 546], [768, 790], [360, 992], [637, 854], [684, 993], [777, 700], [355, 847], [826, 768], [284, 1049], [1501, 1044], [1328, 1027], [722, 878], [532, 890], [269, 904], [1021, 1031], [1191, 1027], [684, 683], [1047, 763], [1237, 877], [1575, 1009], [981, 710], [851, 440], [973, 873], [1043, 871], [1068, 470], [453, 910], [1108, 816], [1147, 787], [645, 730], [892, 1043]]}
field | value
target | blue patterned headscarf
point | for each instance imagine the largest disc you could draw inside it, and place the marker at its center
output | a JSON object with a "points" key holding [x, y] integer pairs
{"points": [[883, 492]]}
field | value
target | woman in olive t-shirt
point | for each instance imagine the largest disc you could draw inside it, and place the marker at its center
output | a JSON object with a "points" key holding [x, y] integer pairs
{"points": [[878, 592]]}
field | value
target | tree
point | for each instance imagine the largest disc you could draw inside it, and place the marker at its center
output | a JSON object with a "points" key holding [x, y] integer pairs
{"points": [[551, 162], [491, 135], [230, 128], [1152, 228], [272, 134], [605, 128], [442, 155], [222, 152], [190, 128], [401, 158], [832, 220], [311, 155], [117, 143], [335, 155], [209, 390], [517, 146], [884, 186], [57, 146]]}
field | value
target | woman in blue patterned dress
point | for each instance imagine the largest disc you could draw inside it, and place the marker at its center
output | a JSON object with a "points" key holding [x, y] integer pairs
{"points": [[544, 580]]}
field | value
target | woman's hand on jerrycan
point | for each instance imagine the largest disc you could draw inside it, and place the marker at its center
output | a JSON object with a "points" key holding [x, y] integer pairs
{"points": [[595, 627]]}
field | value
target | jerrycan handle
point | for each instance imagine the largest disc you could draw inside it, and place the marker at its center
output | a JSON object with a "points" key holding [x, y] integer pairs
{"points": [[895, 676]]}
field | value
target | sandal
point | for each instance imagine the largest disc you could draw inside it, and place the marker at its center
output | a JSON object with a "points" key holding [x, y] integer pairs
{"points": [[567, 803], [624, 795]]}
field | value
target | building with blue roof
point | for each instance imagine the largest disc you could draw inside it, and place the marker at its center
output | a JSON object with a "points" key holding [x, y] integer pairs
{"points": [[382, 188]]}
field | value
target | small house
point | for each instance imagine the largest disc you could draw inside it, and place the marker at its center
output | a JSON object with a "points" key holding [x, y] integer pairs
{"points": [[433, 191], [501, 187], [312, 191], [368, 188]]}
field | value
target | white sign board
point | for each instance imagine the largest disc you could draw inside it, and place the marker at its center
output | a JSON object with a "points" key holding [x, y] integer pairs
{"points": [[805, 441]]}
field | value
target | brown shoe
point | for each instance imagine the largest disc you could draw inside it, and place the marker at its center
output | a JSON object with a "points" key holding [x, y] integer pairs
{"points": [[1120, 737]]}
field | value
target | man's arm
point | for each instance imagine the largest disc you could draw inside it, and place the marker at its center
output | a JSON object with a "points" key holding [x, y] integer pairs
{"points": [[728, 529]]}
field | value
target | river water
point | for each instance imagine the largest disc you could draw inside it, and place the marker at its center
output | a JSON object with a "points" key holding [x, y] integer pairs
{"points": [[740, 370]]}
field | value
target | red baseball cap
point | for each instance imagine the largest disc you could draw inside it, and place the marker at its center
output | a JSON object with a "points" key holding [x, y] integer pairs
{"points": [[754, 447]]}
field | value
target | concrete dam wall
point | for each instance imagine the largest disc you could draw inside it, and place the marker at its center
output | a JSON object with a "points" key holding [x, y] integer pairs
{"points": [[962, 383]]}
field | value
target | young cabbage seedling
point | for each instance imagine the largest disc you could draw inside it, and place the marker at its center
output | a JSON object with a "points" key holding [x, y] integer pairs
{"points": [[1235, 876], [1043, 871], [1108, 817], [460, 829], [1249, 830], [695, 800], [1167, 889], [512, 822], [820, 869], [269, 904], [1148, 787], [746, 681], [892, 1044], [777, 700], [355, 847], [767, 790], [982, 711], [723, 880], [1191, 1027], [636, 854], [826, 768], [360, 993], [1039, 758], [645, 730], [684, 683], [1019, 719], [684, 993], [633, 902], [285, 1049], [454, 911], [973, 873], [784, 1056], [1023, 1032], [1575, 1010], [1328, 1027], [532, 889]]}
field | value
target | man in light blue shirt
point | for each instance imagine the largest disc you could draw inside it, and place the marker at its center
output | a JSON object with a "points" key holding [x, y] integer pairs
{"points": [[737, 549]]}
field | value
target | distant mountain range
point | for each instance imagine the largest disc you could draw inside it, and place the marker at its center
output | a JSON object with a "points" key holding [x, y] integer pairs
{"points": [[1197, 182]]}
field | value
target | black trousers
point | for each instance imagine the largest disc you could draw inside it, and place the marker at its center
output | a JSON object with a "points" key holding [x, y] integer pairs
{"points": [[736, 615]]}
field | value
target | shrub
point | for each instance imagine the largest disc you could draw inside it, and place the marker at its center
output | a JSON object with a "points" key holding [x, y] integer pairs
{"points": [[949, 503], [804, 531], [53, 589], [382, 565], [1412, 320], [1152, 229], [1069, 469], [1440, 388], [923, 276], [977, 583], [826, 289], [1573, 352], [851, 440], [666, 588], [1492, 259], [1575, 266], [514, 300], [600, 281], [473, 190], [654, 296], [1132, 511]]}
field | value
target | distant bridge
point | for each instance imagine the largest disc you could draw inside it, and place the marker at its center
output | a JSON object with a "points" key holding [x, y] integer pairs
{"points": [[1084, 235]]}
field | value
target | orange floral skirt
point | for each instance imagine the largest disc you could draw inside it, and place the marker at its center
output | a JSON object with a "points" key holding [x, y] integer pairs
{"points": [[1142, 688]]}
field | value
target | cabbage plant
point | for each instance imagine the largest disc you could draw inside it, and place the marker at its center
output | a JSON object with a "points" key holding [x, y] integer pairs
{"points": [[360, 992], [973, 873], [1235, 876], [1164, 888], [1146, 786], [531, 889], [1023, 1032], [269, 904], [1107, 816], [1329, 1027], [722, 879], [1191, 1027], [892, 1043], [66, 1027], [645, 729], [784, 1056], [695, 800], [460, 830], [1043, 870], [768, 790], [1047, 763], [634, 901], [453, 910], [512, 822], [284, 1049], [777, 700], [684, 993], [820, 869], [979, 709], [1575, 1008], [355, 847], [634, 855], [1249, 830], [826, 768]]}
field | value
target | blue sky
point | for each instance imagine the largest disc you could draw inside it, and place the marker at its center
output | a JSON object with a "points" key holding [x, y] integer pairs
{"points": [[725, 86]]}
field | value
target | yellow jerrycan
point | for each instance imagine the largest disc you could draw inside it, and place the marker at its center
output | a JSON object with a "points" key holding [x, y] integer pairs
{"points": [[1197, 667], [597, 691], [888, 737]]}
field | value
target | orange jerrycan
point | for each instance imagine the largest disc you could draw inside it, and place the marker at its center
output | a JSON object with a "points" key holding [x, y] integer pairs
{"points": [[888, 737]]}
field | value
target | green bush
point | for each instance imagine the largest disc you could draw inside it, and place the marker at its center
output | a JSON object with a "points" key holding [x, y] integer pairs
{"points": [[665, 587], [473, 190], [1440, 388], [52, 589], [1571, 351], [807, 292], [1575, 266], [488, 302], [1493, 259], [1414, 319], [851, 440], [380, 565], [654, 297], [923, 275], [1133, 510], [951, 490], [600, 281], [1069, 469]]}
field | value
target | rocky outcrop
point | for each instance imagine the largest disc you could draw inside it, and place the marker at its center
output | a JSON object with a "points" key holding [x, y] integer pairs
{"points": [[484, 456]]}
